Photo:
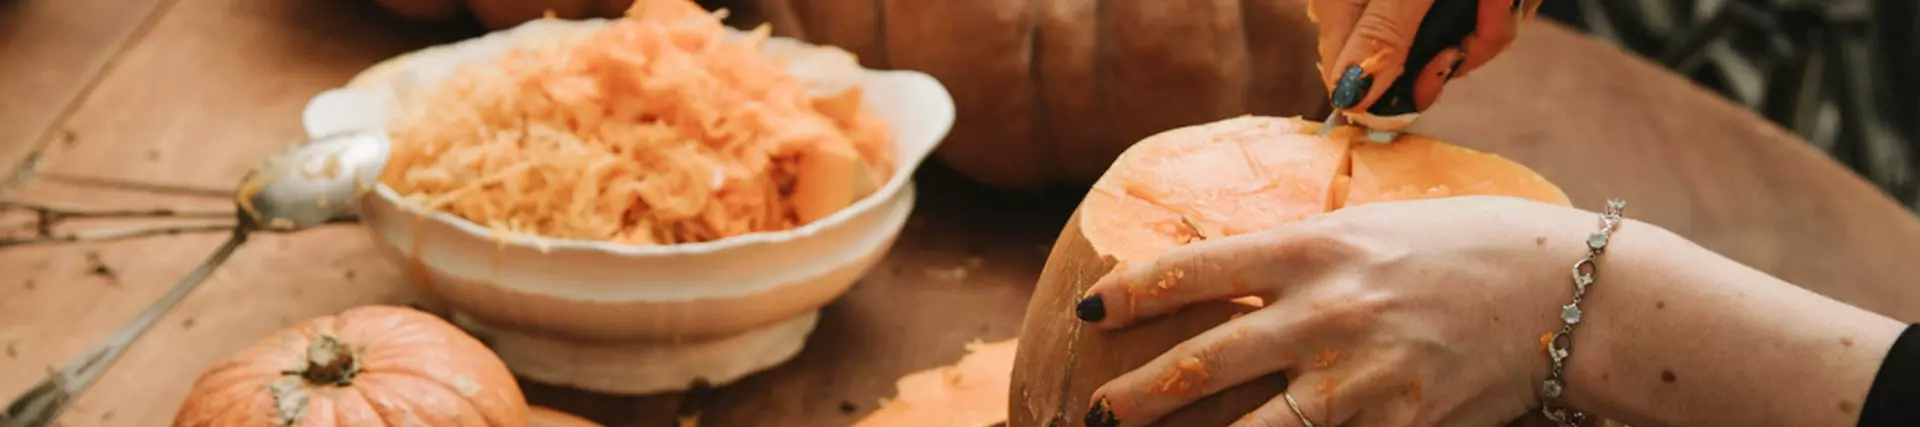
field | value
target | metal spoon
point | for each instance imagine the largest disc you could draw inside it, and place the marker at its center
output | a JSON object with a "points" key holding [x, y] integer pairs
{"points": [[310, 184]]}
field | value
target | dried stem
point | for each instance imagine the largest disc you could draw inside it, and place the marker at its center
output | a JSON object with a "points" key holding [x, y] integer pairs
{"points": [[57, 213], [47, 217], [47, 237]]}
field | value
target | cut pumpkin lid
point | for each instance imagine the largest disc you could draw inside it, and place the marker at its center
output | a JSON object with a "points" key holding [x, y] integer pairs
{"points": [[1253, 173]]}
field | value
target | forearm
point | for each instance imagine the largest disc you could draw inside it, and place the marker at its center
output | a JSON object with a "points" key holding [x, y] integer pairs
{"points": [[1678, 336]]}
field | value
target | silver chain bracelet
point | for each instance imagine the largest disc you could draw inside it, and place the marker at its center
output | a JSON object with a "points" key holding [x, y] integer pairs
{"points": [[1560, 345]]}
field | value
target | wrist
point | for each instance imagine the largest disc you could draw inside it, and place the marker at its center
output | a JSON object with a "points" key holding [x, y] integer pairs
{"points": [[1674, 334], [1608, 330], [1559, 345]]}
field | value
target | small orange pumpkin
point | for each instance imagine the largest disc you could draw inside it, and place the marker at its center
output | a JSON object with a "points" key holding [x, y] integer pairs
{"points": [[368, 366]]}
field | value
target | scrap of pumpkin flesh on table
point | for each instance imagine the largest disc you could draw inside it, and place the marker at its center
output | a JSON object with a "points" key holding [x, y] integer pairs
{"points": [[970, 393]]}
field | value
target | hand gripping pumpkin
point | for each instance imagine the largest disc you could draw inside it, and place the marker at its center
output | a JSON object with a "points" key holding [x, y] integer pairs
{"points": [[1051, 91], [368, 366], [1233, 176]]}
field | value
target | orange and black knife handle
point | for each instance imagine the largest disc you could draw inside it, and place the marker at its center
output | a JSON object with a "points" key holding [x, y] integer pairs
{"points": [[1446, 25]]}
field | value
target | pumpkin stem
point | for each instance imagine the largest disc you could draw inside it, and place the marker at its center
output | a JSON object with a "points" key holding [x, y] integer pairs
{"points": [[330, 362]]}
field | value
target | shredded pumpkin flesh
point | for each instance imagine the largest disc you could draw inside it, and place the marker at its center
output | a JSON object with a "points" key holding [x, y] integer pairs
{"points": [[663, 127]]}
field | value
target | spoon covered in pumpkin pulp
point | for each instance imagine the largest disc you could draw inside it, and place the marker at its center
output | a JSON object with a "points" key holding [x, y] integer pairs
{"points": [[314, 183]]}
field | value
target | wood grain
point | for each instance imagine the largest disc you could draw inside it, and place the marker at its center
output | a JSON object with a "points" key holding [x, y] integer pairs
{"points": [[218, 83], [213, 87], [50, 51]]}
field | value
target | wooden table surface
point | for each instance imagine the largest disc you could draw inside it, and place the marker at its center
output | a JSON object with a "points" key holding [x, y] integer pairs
{"points": [[138, 103]]}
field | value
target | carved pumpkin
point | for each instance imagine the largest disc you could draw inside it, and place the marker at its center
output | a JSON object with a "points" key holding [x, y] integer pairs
{"points": [[368, 366], [1250, 174], [1051, 91]]}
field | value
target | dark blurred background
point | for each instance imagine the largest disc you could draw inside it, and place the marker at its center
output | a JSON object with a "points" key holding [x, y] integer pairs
{"points": [[1840, 73]]}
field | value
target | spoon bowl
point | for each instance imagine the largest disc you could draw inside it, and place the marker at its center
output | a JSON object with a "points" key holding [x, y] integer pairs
{"points": [[313, 183]]}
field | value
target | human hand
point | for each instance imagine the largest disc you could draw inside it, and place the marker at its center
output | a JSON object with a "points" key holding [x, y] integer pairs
{"points": [[1425, 312], [1366, 47]]}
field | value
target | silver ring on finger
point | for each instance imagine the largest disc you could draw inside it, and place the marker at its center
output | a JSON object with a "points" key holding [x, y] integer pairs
{"points": [[1296, 409]]}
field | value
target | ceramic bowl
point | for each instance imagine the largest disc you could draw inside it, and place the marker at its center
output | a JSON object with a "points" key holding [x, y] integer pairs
{"points": [[624, 318]]}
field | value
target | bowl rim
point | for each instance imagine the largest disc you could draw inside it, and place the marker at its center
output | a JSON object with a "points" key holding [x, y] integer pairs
{"points": [[939, 123]]}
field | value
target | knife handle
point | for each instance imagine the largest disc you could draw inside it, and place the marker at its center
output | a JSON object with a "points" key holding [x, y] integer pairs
{"points": [[1446, 24]]}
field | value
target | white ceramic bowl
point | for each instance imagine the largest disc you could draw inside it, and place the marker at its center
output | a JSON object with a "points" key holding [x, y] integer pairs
{"points": [[636, 319]]}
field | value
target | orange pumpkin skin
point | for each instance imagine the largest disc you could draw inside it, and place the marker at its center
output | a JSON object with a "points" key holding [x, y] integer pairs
{"points": [[1051, 91], [1061, 361], [367, 366], [423, 10], [503, 14], [543, 417]]}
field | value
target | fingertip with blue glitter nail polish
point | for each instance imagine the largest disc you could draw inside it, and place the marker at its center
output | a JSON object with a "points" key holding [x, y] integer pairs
{"points": [[1352, 86]]}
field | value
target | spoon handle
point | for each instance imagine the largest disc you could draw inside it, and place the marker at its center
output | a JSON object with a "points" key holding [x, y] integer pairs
{"points": [[40, 405]]}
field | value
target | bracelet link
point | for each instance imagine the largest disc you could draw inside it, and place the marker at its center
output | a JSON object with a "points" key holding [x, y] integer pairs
{"points": [[1559, 346]]}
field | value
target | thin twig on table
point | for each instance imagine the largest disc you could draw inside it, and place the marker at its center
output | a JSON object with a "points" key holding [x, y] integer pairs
{"points": [[47, 217], [133, 186], [62, 212], [114, 234]]}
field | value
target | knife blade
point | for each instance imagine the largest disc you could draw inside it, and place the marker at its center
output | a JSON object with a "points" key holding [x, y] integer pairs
{"points": [[1333, 121]]}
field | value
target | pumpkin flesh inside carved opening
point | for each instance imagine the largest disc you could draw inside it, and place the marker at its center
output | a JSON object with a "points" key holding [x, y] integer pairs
{"points": [[1249, 174], [1234, 176]]}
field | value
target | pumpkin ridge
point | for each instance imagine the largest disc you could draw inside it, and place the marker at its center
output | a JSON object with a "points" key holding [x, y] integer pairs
{"points": [[1042, 123], [231, 406], [357, 396], [880, 34], [466, 403], [1248, 95], [382, 408], [1065, 404], [405, 365], [1103, 71], [410, 408], [446, 379]]}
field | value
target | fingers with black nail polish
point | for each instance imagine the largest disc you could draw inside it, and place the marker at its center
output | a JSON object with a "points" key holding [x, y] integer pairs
{"points": [[1353, 86], [1091, 309], [1101, 415]]}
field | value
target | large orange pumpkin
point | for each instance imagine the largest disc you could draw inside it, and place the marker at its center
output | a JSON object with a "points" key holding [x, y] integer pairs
{"points": [[1051, 91], [543, 417], [368, 366], [500, 14], [1228, 177]]}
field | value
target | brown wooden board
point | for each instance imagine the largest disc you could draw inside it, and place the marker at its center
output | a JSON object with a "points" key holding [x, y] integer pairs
{"points": [[50, 51], [218, 83]]}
